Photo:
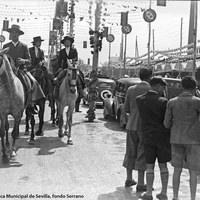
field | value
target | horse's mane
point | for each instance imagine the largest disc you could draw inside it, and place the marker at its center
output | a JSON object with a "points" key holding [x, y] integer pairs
{"points": [[12, 63]]}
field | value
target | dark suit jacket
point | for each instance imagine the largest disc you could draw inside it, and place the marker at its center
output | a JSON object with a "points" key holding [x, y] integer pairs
{"points": [[20, 51], [62, 60], [152, 108], [34, 60]]}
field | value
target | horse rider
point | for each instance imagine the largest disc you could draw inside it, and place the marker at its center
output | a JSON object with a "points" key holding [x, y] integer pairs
{"points": [[37, 57], [20, 54], [67, 53], [37, 54]]}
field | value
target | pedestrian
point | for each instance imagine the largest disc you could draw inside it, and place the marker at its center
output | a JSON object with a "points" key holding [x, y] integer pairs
{"points": [[182, 116], [134, 156], [20, 54], [80, 88], [68, 53], [92, 95], [37, 54], [155, 136]]}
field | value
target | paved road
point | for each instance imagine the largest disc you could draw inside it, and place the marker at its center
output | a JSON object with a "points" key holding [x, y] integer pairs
{"points": [[91, 169]]}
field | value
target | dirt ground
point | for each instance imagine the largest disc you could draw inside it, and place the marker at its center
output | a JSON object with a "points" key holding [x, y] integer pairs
{"points": [[91, 169]]}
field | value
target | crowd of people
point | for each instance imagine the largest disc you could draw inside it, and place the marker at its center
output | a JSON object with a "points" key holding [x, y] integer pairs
{"points": [[163, 131]]}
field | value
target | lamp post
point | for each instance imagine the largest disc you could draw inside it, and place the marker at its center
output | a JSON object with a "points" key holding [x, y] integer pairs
{"points": [[194, 36]]}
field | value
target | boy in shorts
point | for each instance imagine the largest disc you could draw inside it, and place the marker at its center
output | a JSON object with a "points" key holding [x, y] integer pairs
{"points": [[155, 136], [182, 116]]}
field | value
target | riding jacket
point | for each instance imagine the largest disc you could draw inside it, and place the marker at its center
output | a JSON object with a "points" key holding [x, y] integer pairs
{"points": [[62, 60], [36, 59]]}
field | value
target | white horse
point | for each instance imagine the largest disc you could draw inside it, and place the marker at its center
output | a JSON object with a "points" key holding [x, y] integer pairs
{"points": [[67, 97], [12, 100]]}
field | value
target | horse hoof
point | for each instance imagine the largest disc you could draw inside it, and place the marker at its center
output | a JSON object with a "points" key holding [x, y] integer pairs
{"points": [[39, 133], [66, 133], [60, 135], [69, 142], [26, 133], [13, 155], [31, 141]]}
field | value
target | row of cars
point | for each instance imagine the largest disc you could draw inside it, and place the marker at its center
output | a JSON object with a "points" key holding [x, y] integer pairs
{"points": [[112, 95]]}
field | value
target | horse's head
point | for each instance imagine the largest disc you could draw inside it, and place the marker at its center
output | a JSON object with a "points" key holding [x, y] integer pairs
{"points": [[6, 60], [72, 78]]}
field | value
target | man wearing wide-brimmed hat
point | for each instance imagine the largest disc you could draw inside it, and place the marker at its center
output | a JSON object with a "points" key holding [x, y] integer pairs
{"points": [[68, 53], [37, 54], [20, 54]]}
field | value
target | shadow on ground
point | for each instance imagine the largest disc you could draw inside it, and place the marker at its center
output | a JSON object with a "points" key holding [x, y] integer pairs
{"points": [[121, 193]]}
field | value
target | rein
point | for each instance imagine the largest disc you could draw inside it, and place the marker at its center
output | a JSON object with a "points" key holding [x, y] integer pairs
{"points": [[10, 80], [7, 83]]}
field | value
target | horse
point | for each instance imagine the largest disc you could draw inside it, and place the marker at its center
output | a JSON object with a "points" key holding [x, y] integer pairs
{"points": [[12, 99], [67, 97], [39, 74]]}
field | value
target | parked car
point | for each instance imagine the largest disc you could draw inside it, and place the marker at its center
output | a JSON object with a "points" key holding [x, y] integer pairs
{"points": [[114, 106], [105, 87]]}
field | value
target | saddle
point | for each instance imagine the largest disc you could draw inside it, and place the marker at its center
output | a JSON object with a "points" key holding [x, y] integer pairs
{"points": [[33, 91], [27, 84]]}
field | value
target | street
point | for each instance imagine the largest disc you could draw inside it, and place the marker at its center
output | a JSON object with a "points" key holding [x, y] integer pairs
{"points": [[91, 169]]}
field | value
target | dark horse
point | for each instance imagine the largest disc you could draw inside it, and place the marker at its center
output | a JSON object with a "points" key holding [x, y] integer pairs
{"points": [[39, 74], [12, 99]]}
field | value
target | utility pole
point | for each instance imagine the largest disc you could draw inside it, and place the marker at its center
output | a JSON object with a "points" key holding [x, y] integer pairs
{"points": [[149, 40], [153, 44], [72, 18], [96, 35], [195, 37], [109, 52], [181, 34]]}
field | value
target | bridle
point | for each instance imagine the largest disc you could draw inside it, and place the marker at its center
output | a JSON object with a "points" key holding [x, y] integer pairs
{"points": [[72, 78]]}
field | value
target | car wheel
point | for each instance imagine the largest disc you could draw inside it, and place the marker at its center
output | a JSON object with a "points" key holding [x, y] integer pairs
{"points": [[121, 122]]}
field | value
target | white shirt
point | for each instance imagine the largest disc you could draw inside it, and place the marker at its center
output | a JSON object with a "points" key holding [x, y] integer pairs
{"points": [[15, 43], [67, 50], [36, 52]]}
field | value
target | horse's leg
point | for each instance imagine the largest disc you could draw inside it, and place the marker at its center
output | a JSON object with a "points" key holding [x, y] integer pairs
{"points": [[6, 130], [27, 121], [41, 104], [15, 134], [69, 115], [32, 138], [2, 133], [53, 112], [60, 124]]}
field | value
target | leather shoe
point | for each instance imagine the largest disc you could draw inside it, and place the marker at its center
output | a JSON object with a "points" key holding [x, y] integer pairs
{"points": [[129, 183], [141, 188], [78, 111]]}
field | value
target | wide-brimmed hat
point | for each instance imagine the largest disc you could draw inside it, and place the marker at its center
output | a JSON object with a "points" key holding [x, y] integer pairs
{"points": [[67, 38], [15, 27], [36, 39]]}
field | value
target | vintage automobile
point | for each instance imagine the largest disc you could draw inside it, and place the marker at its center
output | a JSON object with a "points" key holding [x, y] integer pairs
{"points": [[105, 87], [114, 106]]}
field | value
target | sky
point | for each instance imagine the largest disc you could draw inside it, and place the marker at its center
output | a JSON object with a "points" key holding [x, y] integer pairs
{"points": [[35, 19]]}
